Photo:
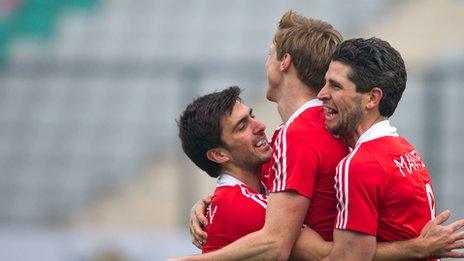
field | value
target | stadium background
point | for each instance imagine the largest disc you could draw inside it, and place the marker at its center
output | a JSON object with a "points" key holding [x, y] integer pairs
{"points": [[90, 163]]}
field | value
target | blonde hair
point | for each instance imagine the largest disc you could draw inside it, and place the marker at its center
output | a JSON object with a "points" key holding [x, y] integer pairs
{"points": [[310, 43]]}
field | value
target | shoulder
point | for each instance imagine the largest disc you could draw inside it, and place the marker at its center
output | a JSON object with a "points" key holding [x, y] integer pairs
{"points": [[361, 165], [248, 198], [239, 196], [225, 195], [302, 129]]}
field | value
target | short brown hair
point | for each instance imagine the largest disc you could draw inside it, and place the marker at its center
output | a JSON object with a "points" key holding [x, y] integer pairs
{"points": [[310, 42]]}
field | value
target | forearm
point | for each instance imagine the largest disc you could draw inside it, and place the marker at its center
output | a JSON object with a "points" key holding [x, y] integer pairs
{"points": [[310, 246], [351, 245], [284, 216], [400, 250], [254, 246]]}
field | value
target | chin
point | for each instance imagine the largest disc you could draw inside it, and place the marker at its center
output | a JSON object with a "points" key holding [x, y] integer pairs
{"points": [[271, 94], [334, 130], [270, 97], [264, 158]]}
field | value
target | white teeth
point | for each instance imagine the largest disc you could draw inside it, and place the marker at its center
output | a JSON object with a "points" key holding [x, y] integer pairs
{"points": [[261, 143], [329, 111]]}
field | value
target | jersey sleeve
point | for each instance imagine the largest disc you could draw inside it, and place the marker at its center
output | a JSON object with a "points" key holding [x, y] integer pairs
{"points": [[234, 213], [359, 187], [296, 161], [247, 213]]}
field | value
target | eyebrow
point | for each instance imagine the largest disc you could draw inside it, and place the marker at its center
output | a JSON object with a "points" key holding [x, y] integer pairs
{"points": [[334, 83]]}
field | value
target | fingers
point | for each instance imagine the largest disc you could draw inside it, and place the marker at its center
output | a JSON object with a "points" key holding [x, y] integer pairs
{"points": [[200, 235], [199, 213], [455, 245], [442, 217], [195, 242], [454, 254], [457, 236], [193, 237], [207, 199], [196, 229], [197, 235], [457, 225], [197, 221], [438, 220]]}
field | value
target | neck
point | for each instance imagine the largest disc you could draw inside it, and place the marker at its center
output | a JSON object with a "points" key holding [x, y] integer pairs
{"points": [[294, 94], [250, 177], [365, 124]]}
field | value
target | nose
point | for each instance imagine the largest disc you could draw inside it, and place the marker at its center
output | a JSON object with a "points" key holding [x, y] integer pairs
{"points": [[323, 93], [260, 127], [266, 64]]}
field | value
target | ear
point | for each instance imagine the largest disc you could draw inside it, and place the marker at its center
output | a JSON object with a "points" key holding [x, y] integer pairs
{"points": [[375, 96], [286, 62], [218, 155]]}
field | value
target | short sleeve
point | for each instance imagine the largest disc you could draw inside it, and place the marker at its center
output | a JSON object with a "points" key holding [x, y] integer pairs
{"points": [[359, 187], [296, 161]]}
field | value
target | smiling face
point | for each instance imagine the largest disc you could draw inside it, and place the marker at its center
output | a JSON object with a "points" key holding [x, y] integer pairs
{"points": [[244, 137], [343, 106]]}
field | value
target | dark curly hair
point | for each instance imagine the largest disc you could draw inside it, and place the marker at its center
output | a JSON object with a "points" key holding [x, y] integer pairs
{"points": [[200, 126], [374, 63]]}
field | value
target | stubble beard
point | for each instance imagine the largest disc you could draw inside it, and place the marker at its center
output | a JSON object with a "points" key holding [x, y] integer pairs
{"points": [[349, 122], [251, 163]]}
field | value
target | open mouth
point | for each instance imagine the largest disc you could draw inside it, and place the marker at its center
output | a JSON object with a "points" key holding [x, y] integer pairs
{"points": [[262, 143], [330, 113]]}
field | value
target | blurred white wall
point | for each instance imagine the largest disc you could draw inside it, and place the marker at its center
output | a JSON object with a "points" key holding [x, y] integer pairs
{"points": [[90, 160]]}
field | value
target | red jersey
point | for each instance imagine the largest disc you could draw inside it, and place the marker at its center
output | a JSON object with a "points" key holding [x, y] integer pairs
{"points": [[235, 211], [383, 187], [304, 160]]}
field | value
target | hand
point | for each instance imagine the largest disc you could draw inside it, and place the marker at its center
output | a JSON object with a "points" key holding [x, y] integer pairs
{"points": [[198, 220], [440, 240]]}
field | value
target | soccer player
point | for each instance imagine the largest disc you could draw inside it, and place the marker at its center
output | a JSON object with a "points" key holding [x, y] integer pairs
{"points": [[300, 175], [222, 137], [383, 187], [300, 182]]}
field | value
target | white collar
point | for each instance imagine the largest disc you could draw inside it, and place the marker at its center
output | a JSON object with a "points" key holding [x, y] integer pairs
{"points": [[378, 130], [227, 180], [307, 105]]}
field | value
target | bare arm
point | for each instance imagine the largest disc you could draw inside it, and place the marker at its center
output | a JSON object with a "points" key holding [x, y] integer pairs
{"points": [[435, 241], [310, 246], [284, 217], [198, 221], [350, 245]]}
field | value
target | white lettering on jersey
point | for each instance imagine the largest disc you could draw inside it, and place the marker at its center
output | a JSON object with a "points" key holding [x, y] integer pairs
{"points": [[431, 199], [409, 162], [211, 213]]}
